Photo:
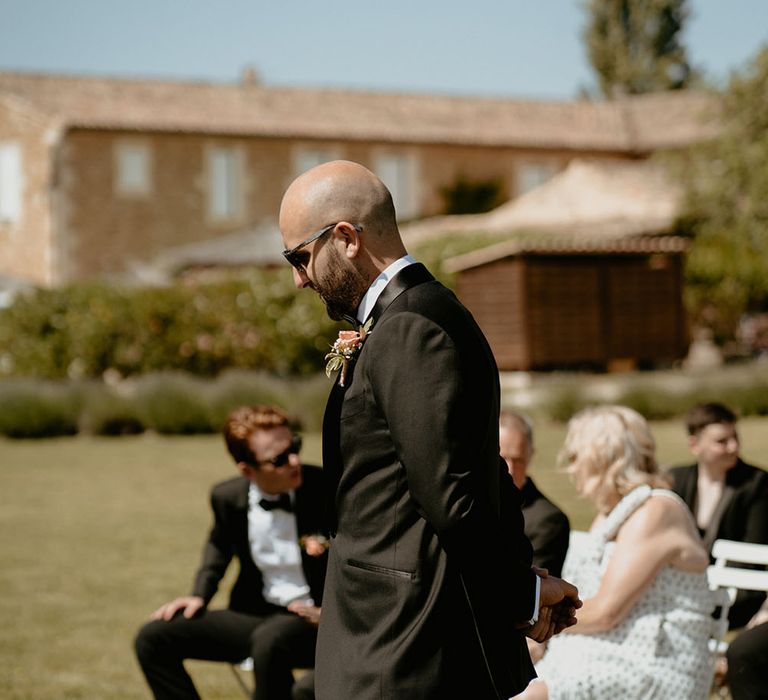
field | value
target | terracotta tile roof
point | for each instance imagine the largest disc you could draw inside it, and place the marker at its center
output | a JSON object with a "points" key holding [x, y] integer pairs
{"points": [[588, 191], [663, 120], [602, 197], [635, 124]]}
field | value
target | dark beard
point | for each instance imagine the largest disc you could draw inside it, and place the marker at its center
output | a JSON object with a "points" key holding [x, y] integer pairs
{"points": [[341, 288]]}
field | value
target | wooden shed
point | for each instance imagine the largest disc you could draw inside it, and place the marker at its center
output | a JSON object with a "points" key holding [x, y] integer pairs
{"points": [[563, 303]]}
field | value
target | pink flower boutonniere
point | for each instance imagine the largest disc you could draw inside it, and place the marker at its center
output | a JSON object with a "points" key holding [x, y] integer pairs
{"points": [[314, 545], [345, 348]]}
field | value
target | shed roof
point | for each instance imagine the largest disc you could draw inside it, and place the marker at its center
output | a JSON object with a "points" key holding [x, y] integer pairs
{"points": [[635, 124], [567, 245]]}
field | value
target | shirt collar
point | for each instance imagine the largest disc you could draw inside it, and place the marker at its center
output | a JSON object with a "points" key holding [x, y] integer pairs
{"points": [[255, 494], [379, 284]]}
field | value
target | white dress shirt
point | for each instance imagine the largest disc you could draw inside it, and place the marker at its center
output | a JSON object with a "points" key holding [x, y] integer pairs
{"points": [[378, 285], [274, 541]]}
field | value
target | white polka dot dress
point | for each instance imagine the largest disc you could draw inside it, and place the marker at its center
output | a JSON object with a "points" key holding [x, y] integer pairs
{"points": [[658, 651]]}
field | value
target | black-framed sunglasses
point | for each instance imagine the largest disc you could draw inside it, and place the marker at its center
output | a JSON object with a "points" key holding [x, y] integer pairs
{"points": [[284, 457], [293, 256]]}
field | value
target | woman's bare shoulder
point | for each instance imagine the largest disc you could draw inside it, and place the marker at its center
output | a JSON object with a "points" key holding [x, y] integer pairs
{"points": [[658, 515]]}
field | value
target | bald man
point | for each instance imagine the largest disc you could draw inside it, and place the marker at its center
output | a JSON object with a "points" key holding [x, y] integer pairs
{"points": [[429, 590]]}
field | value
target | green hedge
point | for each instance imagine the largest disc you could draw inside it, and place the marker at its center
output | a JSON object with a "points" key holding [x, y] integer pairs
{"points": [[83, 331], [38, 409], [175, 402], [165, 402], [660, 395]]}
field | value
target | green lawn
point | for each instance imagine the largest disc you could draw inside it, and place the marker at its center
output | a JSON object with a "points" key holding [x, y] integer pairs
{"points": [[97, 532]]}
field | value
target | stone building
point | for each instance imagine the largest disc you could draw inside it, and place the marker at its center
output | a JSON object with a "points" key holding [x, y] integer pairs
{"points": [[99, 176]]}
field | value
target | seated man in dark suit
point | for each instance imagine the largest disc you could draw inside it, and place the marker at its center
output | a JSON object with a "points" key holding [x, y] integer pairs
{"points": [[728, 498], [270, 518], [546, 526], [747, 659]]}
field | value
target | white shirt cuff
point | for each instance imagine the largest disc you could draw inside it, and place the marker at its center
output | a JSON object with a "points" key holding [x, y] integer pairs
{"points": [[535, 617]]}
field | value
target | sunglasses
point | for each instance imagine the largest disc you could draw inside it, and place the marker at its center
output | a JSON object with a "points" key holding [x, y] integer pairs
{"points": [[299, 259], [284, 457]]}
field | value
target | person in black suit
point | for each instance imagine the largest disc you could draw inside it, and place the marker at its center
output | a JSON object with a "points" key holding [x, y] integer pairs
{"points": [[727, 496], [546, 526], [747, 660], [430, 589], [270, 519]]}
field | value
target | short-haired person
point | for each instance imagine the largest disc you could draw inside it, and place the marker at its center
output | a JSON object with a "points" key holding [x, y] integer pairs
{"points": [[546, 526], [270, 519], [430, 588], [727, 496], [645, 624]]}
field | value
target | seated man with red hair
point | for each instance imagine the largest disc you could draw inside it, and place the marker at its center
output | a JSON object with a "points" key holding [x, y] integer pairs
{"points": [[270, 519]]}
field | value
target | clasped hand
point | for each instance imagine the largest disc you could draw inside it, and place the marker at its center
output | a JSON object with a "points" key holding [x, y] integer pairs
{"points": [[558, 602]]}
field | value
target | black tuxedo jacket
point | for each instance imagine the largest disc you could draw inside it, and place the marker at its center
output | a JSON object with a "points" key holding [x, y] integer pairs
{"points": [[229, 538], [547, 527], [741, 515], [429, 568]]}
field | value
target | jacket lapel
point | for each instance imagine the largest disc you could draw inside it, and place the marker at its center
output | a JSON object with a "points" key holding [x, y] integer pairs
{"points": [[332, 452], [240, 510], [332, 459], [405, 279]]}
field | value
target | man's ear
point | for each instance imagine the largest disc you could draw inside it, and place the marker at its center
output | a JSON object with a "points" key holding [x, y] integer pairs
{"points": [[693, 444], [351, 237], [245, 469]]}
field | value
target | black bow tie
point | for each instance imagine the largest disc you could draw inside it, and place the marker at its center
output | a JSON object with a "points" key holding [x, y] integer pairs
{"points": [[283, 501]]}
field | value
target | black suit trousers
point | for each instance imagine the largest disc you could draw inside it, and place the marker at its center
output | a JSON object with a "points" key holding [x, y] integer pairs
{"points": [[278, 643], [748, 664]]}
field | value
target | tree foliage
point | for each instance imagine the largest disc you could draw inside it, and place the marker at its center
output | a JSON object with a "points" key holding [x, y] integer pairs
{"points": [[634, 45], [727, 203], [466, 196]]}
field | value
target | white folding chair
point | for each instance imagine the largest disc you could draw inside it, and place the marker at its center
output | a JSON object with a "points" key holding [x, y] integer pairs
{"points": [[726, 577], [576, 541], [238, 670], [726, 574], [245, 668]]}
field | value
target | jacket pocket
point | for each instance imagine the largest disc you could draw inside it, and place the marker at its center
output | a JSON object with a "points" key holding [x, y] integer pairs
{"points": [[352, 406], [384, 570]]}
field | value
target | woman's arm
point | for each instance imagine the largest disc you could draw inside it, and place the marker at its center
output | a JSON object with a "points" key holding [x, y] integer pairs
{"points": [[651, 537]]}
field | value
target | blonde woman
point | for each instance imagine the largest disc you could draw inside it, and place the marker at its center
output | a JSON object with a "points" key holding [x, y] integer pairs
{"points": [[645, 623]]}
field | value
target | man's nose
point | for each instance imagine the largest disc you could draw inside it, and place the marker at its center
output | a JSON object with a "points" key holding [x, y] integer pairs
{"points": [[300, 278]]}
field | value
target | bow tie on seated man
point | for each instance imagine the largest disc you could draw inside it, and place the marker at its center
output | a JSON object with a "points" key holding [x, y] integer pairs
{"points": [[282, 502]]}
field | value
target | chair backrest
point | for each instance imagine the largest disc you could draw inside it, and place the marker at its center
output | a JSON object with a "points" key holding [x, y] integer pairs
{"points": [[745, 552], [725, 576], [726, 572], [576, 541], [576, 538]]}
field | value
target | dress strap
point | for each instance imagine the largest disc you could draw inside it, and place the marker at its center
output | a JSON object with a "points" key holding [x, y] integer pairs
{"points": [[623, 509]]}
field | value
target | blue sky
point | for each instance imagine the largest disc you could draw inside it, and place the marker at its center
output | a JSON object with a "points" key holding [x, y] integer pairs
{"points": [[517, 48]]}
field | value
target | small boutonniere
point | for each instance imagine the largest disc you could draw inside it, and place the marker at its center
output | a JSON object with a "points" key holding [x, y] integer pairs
{"points": [[345, 348], [314, 545]]}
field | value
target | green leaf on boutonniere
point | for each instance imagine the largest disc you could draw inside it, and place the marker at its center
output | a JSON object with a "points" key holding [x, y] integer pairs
{"points": [[334, 364], [346, 347]]}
